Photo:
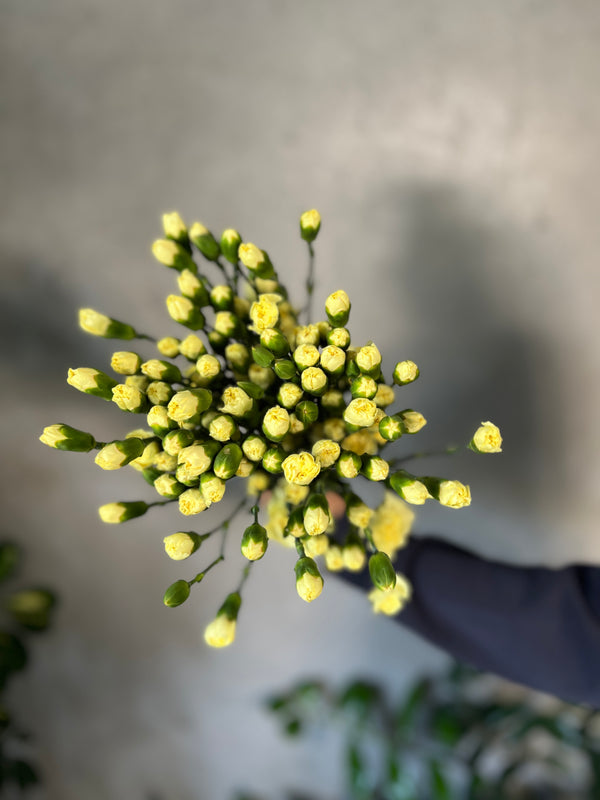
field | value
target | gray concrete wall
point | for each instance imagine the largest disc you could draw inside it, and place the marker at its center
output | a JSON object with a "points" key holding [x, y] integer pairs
{"points": [[452, 149]]}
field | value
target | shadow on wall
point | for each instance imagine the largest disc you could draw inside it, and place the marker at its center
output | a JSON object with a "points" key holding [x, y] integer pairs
{"points": [[453, 278]]}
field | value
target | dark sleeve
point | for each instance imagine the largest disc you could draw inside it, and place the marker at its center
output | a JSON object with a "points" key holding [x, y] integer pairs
{"points": [[532, 625]]}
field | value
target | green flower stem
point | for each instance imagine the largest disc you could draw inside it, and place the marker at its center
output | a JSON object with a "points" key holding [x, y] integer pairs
{"points": [[448, 451], [310, 282], [300, 549], [244, 578], [201, 575], [369, 538]]}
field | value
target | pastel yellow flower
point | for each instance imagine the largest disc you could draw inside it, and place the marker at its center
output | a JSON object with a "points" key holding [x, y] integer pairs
{"points": [[306, 355], [235, 401], [316, 520], [413, 421], [309, 583], [361, 443], [179, 546], [368, 359], [257, 482], [196, 459], [220, 632], [264, 313], [359, 514], [128, 398], [454, 494], [208, 367], [405, 372], [390, 525], [289, 395], [261, 376], [333, 359], [361, 412], [487, 438], [276, 423], [300, 468], [354, 557], [313, 380], [307, 334], [338, 304], [192, 502], [385, 395], [212, 488], [334, 559], [192, 347], [316, 545], [334, 428], [93, 321], [147, 458], [173, 226], [294, 493], [245, 468], [326, 452], [392, 601], [251, 256], [125, 362]]}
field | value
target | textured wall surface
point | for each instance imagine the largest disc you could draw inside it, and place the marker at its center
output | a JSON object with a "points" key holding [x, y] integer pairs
{"points": [[452, 149]]}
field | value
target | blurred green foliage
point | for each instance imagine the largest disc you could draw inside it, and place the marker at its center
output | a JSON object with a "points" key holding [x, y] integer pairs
{"points": [[23, 611]]}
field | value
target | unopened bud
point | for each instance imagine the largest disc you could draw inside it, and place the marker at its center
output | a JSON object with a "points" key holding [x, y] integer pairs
{"points": [[91, 381], [64, 437], [254, 542], [176, 594], [230, 242], [310, 224], [100, 325], [180, 546], [119, 453], [382, 572], [173, 255], [309, 582], [337, 307], [405, 372], [205, 241], [121, 512]]}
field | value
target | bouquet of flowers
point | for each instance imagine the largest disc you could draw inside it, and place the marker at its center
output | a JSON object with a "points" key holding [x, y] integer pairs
{"points": [[296, 410]]}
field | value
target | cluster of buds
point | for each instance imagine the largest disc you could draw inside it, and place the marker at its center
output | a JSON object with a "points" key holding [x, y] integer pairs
{"points": [[295, 410]]}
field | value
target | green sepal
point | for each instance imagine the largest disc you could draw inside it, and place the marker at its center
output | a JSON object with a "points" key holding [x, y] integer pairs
{"points": [[176, 594], [382, 572]]}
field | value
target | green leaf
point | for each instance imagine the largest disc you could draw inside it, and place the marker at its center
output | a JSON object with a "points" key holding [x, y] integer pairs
{"points": [[358, 780], [415, 700], [262, 356], [22, 773], [360, 697], [440, 788], [253, 390], [293, 727], [9, 558], [447, 725], [13, 656], [398, 784]]}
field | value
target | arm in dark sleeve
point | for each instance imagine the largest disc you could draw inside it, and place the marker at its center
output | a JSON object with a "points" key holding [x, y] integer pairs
{"points": [[532, 625]]}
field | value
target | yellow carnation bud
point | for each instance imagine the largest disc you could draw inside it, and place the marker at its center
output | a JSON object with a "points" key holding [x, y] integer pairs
{"points": [[412, 421], [334, 559], [264, 313], [405, 372], [326, 452], [300, 468], [337, 307], [314, 380], [392, 601], [310, 224], [180, 546], [192, 502], [360, 412], [309, 583], [368, 360], [192, 347], [316, 545], [235, 401], [487, 439]]}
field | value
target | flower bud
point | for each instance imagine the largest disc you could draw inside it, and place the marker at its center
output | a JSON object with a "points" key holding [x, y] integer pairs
{"points": [[174, 227], [238, 356], [334, 428], [348, 465], [360, 412], [254, 542], [256, 261], [64, 437], [314, 380], [307, 334], [174, 441], [176, 594], [230, 242], [382, 571], [121, 512], [168, 486], [452, 494], [158, 370], [212, 488], [408, 487], [226, 324], [164, 462], [139, 382], [385, 395], [159, 393], [412, 421], [295, 524], [333, 401], [205, 241], [125, 362], [392, 601], [368, 360], [316, 515], [310, 224], [264, 313], [334, 558], [197, 458], [130, 399], [236, 402], [306, 355], [146, 461], [191, 502], [91, 381], [309, 583], [273, 460], [316, 545], [173, 255], [222, 428], [358, 513], [257, 482], [284, 369], [188, 405], [192, 347], [363, 386], [221, 297], [300, 468], [333, 360], [289, 395], [100, 325], [31, 609], [261, 376], [375, 468], [180, 546], [159, 420], [183, 311], [337, 307], [339, 337], [391, 428], [326, 452], [353, 554], [227, 461], [487, 439], [276, 423], [221, 631], [119, 453], [254, 447], [208, 368], [193, 287], [405, 372], [274, 340]]}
